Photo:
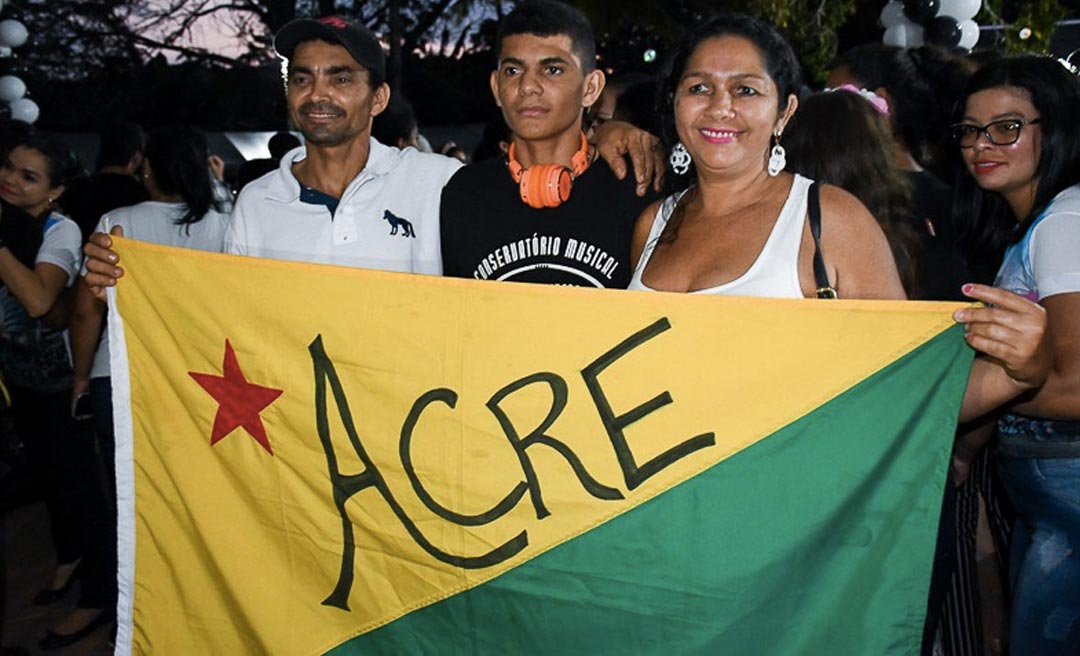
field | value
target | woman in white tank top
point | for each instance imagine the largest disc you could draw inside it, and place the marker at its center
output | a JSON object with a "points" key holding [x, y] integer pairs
{"points": [[737, 223], [774, 272]]}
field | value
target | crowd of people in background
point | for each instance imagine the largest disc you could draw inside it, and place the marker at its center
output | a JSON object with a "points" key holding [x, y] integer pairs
{"points": [[911, 174]]}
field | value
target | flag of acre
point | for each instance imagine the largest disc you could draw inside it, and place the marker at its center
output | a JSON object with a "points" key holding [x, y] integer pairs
{"points": [[314, 459]]}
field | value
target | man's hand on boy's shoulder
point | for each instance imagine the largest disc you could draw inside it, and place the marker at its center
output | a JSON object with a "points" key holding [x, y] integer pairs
{"points": [[616, 139]]}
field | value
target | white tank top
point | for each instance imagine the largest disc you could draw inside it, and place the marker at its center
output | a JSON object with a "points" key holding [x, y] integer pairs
{"points": [[775, 272]]}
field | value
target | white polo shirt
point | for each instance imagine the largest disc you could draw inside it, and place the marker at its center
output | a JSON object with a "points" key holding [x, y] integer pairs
{"points": [[388, 217]]}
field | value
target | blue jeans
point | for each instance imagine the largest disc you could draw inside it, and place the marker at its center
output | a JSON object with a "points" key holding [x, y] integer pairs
{"points": [[1045, 562]]}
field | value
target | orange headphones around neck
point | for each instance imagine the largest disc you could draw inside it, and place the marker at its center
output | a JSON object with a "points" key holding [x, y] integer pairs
{"points": [[548, 185]]}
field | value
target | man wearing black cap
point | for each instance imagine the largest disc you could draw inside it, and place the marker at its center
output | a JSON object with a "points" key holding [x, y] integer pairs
{"points": [[343, 198]]}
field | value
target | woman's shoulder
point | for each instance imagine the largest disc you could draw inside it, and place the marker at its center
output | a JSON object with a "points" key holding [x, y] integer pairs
{"points": [[1066, 202], [841, 208], [56, 218], [1060, 218], [121, 215], [845, 220], [61, 242], [57, 223], [1059, 223], [658, 210], [648, 217]]}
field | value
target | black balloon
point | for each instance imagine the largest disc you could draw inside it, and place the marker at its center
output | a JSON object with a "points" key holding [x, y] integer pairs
{"points": [[921, 11], [943, 31]]}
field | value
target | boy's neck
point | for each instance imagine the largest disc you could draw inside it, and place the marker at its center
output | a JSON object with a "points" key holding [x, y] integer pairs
{"points": [[559, 149]]}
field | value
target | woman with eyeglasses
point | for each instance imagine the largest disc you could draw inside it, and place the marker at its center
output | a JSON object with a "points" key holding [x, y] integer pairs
{"points": [[1020, 142]]}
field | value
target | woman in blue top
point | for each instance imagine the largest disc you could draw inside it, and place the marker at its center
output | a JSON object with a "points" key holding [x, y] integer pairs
{"points": [[39, 258], [1020, 141]]}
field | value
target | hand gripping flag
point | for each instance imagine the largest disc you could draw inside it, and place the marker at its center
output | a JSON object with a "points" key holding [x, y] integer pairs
{"points": [[313, 459]]}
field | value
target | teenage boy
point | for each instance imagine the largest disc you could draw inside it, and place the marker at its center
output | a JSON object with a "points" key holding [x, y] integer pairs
{"points": [[551, 211]]}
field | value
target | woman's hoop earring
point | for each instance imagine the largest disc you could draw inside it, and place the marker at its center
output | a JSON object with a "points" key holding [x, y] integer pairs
{"points": [[679, 159], [777, 158]]}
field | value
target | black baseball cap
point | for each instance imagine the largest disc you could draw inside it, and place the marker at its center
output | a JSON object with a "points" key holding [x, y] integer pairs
{"points": [[357, 39]]}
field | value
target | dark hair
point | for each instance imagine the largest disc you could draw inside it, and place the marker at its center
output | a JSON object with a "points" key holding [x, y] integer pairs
{"points": [[11, 131], [840, 139], [1055, 93], [614, 87], [922, 84], [637, 106], [61, 162], [780, 63], [118, 143], [496, 132], [551, 18], [281, 143], [178, 157], [396, 123]]}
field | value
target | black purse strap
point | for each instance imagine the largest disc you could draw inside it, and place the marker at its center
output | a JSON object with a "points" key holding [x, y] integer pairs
{"points": [[821, 275]]}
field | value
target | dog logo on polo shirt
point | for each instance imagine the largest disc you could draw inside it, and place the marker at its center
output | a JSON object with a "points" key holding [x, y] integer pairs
{"points": [[398, 222]]}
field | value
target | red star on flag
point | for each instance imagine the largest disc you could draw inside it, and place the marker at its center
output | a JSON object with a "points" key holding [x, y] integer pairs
{"points": [[239, 402]]}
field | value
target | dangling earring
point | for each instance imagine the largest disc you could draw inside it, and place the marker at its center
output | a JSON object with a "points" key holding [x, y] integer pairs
{"points": [[777, 158], [679, 159]]}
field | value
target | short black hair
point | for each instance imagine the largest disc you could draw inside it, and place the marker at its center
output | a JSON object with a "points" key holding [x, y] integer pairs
{"points": [[396, 123], [551, 18], [281, 143], [118, 143], [637, 105]]}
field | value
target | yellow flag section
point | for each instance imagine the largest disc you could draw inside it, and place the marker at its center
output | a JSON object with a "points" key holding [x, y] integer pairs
{"points": [[308, 453]]}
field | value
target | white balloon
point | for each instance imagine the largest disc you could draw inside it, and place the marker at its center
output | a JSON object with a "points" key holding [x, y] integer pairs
{"points": [[5, 52], [969, 34], [895, 35], [12, 33], [961, 10], [11, 88], [905, 35], [893, 14], [24, 109]]}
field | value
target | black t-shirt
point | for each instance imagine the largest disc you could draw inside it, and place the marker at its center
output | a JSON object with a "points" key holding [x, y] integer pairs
{"points": [[488, 233], [86, 200], [944, 270]]}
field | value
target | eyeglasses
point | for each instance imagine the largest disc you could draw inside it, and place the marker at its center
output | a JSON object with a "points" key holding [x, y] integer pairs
{"points": [[1000, 133]]}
